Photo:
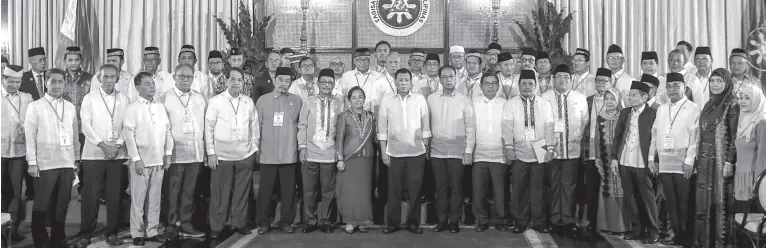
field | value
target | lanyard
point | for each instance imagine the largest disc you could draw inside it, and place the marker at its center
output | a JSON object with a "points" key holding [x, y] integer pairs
{"points": [[580, 80], [186, 105], [18, 113], [59, 118], [670, 128], [236, 110], [389, 85], [470, 87], [114, 105], [365, 80]]}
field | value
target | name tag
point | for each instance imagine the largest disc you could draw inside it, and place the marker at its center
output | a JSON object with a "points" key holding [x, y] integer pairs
{"points": [[237, 134], [529, 134], [113, 135], [65, 139], [279, 119], [669, 144], [188, 126], [320, 135], [559, 127], [19, 135]]}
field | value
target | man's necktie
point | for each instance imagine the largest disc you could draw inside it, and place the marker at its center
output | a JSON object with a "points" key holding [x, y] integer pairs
{"points": [[40, 85]]}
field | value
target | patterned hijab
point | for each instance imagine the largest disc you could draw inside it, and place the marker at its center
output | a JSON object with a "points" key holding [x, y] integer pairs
{"points": [[717, 104], [749, 119]]}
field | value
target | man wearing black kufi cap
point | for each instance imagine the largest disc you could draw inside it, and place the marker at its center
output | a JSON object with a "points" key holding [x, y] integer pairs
{"points": [[429, 82], [77, 82], [675, 137], [703, 61], [649, 66], [215, 71], [583, 80], [543, 70], [621, 79], [151, 64], [509, 81], [33, 81], [493, 51], [316, 145], [528, 120], [630, 152], [361, 76], [740, 69], [278, 112], [653, 83], [571, 116]]}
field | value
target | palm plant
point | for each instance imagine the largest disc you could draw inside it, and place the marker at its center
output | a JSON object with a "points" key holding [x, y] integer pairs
{"points": [[545, 31], [249, 36]]}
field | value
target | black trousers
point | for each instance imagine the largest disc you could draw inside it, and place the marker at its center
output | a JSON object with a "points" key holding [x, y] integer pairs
{"points": [[489, 177], [448, 184], [563, 178], [591, 188], [230, 185], [640, 209], [677, 191], [95, 173], [379, 187], [53, 191], [13, 172], [182, 179], [270, 174], [318, 178], [409, 169], [528, 193]]}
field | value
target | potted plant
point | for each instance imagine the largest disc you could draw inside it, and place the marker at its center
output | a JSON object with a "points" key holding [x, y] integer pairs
{"points": [[546, 29], [249, 35]]}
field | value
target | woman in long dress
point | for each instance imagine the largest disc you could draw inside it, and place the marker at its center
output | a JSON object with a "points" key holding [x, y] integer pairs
{"points": [[609, 216], [715, 157], [355, 159], [751, 144]]}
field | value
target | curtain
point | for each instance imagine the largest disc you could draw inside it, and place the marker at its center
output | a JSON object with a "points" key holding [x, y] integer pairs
{"points": [[653, 25], [127, 24]]}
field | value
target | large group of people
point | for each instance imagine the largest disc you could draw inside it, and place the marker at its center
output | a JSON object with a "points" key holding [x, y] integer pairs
{"points": [[525, 143]]}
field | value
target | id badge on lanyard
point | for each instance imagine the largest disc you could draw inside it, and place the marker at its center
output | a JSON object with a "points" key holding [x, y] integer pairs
{"points": [[279, 119], [529, 134], [188, 124], [237, 131], [113, 134], [668, 144], [65, 137]]}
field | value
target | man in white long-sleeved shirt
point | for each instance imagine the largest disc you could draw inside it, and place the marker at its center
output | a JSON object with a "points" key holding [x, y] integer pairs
{"points": [[675, 137], [146, 130], [452, 125], [404, 130], [621, 79], [231, 137], [362, 76], [676, 59], [103, 156], [116, 57], [570, 111], [151, 64], [186, 112], [703, 61], [14, 150], [509, 81], [582, 80], [200, 83], [53, 149], [386, 84]]}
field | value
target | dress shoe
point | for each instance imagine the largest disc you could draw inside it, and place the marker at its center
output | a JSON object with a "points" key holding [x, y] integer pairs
{"points": [[309, 229], [414, 229], [214, 235], [440, 227], [362, 229], [325, 228], [159, 238], [481, 228], [189, 231], [264, 229], [517, 229], [243, 230], [651, 239], [390, 229], [113, 240], [454, 228], [138, 241], [500, 227], [286, 228], [632, 236], [82, 243]]}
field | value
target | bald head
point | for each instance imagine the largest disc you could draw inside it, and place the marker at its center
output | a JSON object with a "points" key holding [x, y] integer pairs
{"points": [[393, 62], [337, 66]]}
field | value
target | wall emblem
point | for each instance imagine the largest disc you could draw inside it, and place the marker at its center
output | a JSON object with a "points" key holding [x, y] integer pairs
{"points": [[399, 17]]}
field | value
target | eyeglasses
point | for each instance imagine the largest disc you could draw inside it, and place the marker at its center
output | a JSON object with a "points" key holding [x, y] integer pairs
{"points": [[614, 57], [273, 60], [493, 54], [528, 60], [578, 61], [566, 76], [215, 63], [365, 59], [307, 66], [185, 76], [336, 64], [602, 80]]}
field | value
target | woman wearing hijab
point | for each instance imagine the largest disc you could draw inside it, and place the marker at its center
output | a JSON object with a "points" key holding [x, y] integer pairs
{"points": [[354, 145], [750, 142], [715, 159], [603, 121]]}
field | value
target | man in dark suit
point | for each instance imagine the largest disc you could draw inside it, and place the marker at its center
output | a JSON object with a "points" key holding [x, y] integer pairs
{"points": [[631, 152], [653, 83], [33, 82], [265, 83]]}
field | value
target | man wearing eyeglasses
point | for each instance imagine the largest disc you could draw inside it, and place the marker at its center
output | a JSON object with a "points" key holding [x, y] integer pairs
{"points": [[416, 62], [337, 66], [493, 50], [200, 83], [306, 86], [215, 72], [151, 61], [582, 80], [265, 83], [622, 80], [362, 75]]}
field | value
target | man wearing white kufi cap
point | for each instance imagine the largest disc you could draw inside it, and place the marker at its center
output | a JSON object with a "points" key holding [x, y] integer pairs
{"points": [[457, 60]]}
